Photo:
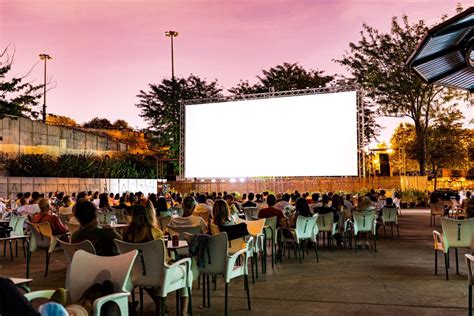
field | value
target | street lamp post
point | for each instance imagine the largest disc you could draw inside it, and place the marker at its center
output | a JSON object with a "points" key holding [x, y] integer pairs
{"points": [[172, 34], [44, 57]]}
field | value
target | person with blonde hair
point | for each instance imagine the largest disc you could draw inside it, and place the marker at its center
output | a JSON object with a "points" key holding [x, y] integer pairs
{"points": [[143, 227]]}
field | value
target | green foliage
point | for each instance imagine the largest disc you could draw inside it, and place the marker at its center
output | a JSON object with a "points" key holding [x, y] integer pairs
{"points": [[121, 124], [101, 123], [81, 166], [378, 63], [17, 97], [288, 76], [160, 107]]}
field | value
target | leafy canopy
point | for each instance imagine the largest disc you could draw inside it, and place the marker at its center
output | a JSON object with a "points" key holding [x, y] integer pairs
{"points": [[160, 106]]}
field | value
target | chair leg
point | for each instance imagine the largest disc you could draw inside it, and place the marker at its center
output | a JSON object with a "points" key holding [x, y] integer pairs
{"points": [[355, 240], [177, 302], [299, 253], [391, 228], [446, 265], [140, 291], [457, 263], [214, 281], [246, 279], [316, 252], [208, 292], [199, 283], [255, 257], [470, 299], [436, 262], [375, 242], [190, 304], [48, 256], [251, 266], [28, 261], [398, 232], [16, 248], [226, 297], [4, 248], [204, 290], [162, 306], [11, 251], [384, 231]]}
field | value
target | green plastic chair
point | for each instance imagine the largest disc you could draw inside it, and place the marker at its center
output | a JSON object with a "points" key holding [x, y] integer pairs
{"points": [[457, 234], [306, 229], [364, 222], [390, 216]]}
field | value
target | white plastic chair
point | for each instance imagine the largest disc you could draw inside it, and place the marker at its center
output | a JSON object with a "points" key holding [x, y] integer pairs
{"points": [[70, 249], [470, 281], [152, 270], [255, 229], [41, 238], [271, 232], [251, 213], [105, 218], [223, 263], [390, 216], [180, 231], [436, 209], [17, 233], [364, 222], [326, 224], [87, 269], [457, 234], [438, 245], [306, 228], [72, 227]]}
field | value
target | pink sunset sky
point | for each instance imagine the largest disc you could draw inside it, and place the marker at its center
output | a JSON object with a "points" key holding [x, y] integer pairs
{"points": [[105, 51]]}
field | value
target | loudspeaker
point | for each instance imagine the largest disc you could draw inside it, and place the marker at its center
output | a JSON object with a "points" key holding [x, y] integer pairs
{"points": [[384, 165], [170, 172]]}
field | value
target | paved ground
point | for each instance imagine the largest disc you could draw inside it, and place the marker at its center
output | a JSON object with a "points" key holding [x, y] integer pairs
{"points": [[398, 279]]}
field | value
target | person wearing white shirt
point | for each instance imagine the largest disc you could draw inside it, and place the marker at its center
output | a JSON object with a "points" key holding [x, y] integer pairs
{"points": [[188, 220], [284, 202]]}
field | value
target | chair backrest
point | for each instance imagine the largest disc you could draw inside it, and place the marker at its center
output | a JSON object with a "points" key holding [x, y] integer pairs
{"points": [[390, 215], [457, 233], [180, 231], [218, 249], [305, 227], [255, 227], [16, 224], [469, 260], [436, 209], [65, 217], [251, 212], [87, 269], [41, 235], [364, 221], [289, 209], [150, 261], [72, 227], [271, 222], [164, 221], [70, 249], [438, 241], [325, 222], [105, 217]]}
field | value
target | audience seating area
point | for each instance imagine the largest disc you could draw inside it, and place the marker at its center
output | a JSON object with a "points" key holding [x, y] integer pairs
{"points": [[385, 265]]}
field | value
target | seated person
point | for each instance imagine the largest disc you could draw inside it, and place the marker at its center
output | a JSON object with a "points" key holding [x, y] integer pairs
{"points": [[284, 202], [325, 209], [101, 238], [223, 220], [143, 227], [250, 202], [188, 219], [202, 209], [270, 211], [45, 215], [66, 209], [233, 206], [162, 208]]}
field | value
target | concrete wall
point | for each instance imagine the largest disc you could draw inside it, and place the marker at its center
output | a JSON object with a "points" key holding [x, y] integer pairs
{"points": [[24, 136], [10, 186]]}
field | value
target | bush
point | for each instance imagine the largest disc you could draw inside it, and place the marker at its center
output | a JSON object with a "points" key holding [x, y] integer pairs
{"points": [[81, 166]]}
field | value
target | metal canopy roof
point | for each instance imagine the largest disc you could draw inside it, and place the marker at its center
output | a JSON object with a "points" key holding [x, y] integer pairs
{"points": [[445, 55]]}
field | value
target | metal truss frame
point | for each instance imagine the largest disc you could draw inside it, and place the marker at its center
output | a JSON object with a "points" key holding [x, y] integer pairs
{"points": [[280, 94]]}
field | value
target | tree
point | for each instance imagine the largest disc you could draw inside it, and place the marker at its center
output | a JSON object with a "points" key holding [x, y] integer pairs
{"points": [[121, 124], [402, 142], [99, 123], [160, 107], [448, 145], [378, 63], [17, 97], [53, 119], [284, 77]]}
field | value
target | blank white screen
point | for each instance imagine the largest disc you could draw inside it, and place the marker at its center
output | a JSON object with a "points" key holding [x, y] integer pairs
{"points": [[310, 135]]}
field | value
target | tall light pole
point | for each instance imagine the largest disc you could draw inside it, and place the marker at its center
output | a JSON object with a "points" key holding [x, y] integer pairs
{"points": [[44, 57], [172, 34]]}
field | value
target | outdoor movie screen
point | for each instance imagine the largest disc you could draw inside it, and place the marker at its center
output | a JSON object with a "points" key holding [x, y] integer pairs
{"points": [[308, 135]]}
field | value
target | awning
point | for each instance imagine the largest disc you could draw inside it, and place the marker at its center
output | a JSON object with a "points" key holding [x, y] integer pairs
{"points": [[445, 55]]}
